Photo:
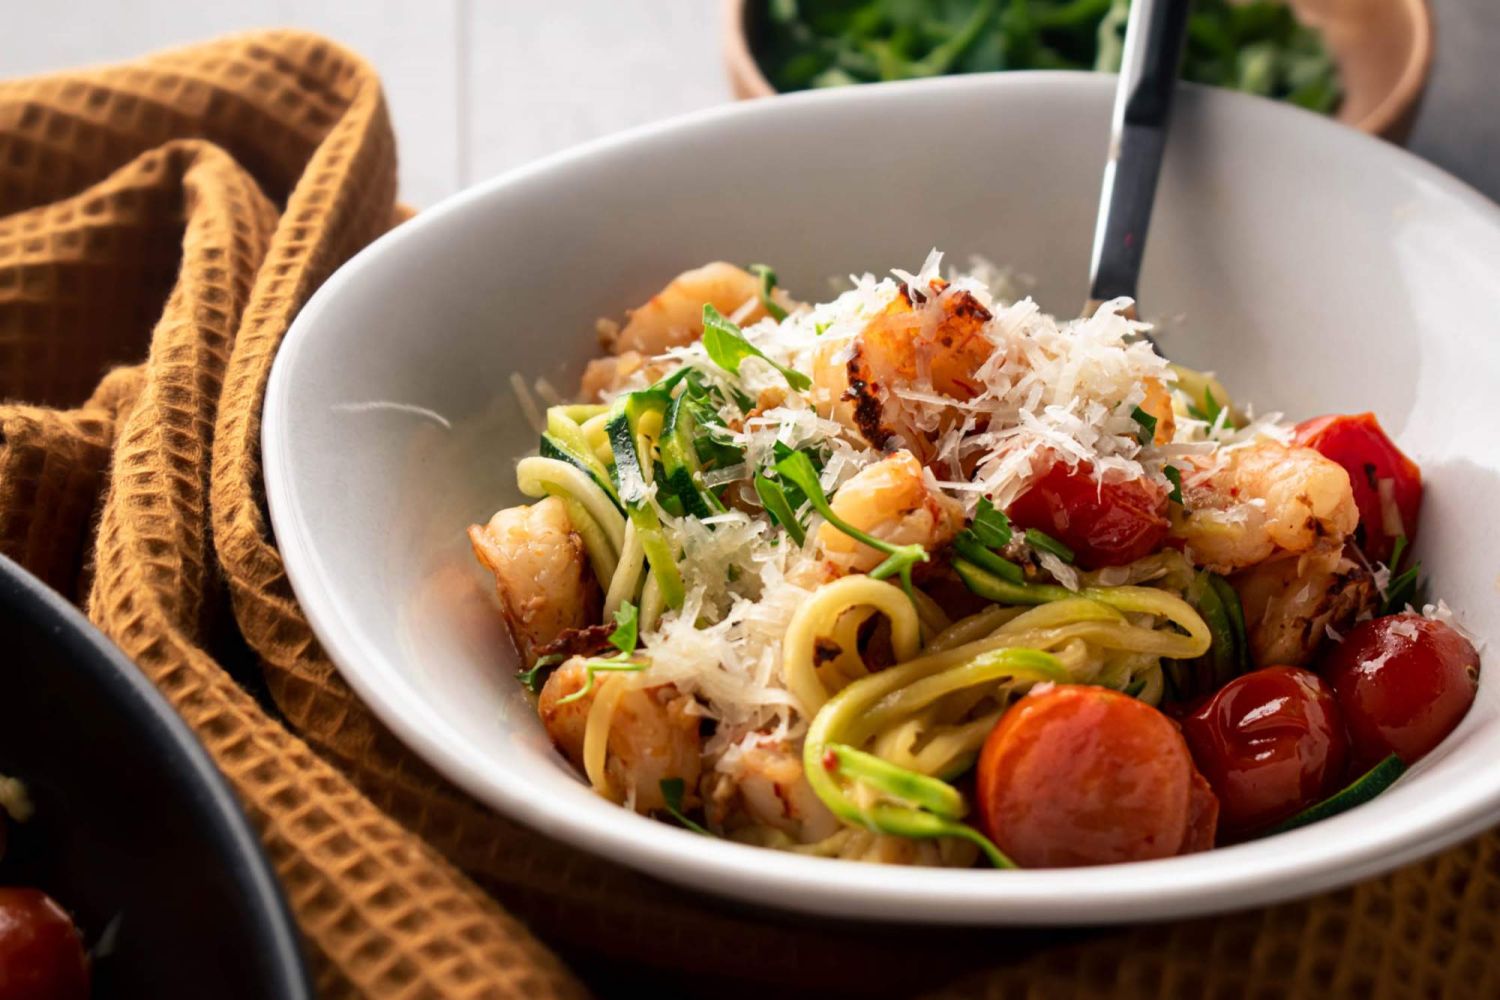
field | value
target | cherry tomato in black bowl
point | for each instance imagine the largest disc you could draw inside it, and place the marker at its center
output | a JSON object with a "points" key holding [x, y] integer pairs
{"points": [[1271, 743], [41, 952]]}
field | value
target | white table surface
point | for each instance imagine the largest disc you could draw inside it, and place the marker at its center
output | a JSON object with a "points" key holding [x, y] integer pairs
{"points": [[478, 86]]}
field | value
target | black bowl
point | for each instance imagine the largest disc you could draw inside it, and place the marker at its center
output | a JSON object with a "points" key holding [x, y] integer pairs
{"points": [[135, 833]]}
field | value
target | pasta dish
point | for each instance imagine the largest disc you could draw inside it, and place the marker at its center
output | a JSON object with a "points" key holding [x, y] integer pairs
{"points": [[924, 575]]}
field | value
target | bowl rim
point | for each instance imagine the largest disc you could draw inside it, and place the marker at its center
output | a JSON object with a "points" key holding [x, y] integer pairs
{"points": [[1172, 887], [215, 809], [1391, 118]]}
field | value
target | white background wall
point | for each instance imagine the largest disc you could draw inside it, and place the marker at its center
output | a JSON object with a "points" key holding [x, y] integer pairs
{"points": [[477, 86]]}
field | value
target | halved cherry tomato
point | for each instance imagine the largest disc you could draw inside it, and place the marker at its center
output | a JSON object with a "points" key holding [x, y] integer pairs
{"points": [[1271, 743], [1105, 525], [1403, 682], [41, 952], [1078, 775], [1357, 442]]}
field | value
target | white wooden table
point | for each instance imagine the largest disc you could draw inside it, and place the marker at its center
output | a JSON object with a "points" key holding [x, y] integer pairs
{"points": [[477, 86]]}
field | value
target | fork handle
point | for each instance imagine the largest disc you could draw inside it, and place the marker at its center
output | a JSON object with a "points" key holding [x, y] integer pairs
{"points": [[1154, 36]]}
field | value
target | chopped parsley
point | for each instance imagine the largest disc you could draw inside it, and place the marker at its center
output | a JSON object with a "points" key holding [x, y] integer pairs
{"points": [[991, 526], [727, 347], [1174, 476], [1147, 433]]}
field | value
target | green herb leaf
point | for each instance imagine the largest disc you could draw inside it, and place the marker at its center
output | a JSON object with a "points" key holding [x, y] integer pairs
{"points": [[991, 525], [767, 283], [968, 545], [1147, 433], [533, 679], [727, 347], [627, 626], [797, 468], [1046, 543], [1211, 406], [1174, 476], [774, 498], [672, 790], [623, 638]]}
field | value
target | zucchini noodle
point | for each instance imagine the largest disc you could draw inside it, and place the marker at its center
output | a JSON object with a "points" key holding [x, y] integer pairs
{"points": [[607, 694], [819, 617], [627, 577], [534, 475]]}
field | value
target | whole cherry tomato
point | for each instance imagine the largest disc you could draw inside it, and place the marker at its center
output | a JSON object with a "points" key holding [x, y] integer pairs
{"points": [[1078, 775], [1271, 743], [1358, 444], [1403, 683], [41, 953], [1107, 524]]}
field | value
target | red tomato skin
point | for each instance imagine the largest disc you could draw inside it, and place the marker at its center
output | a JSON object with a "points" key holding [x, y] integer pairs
{"points": [[1108, 525], [1357, 442], [41, 952], [1403, 682], [1271, 743], [1078, 775]]}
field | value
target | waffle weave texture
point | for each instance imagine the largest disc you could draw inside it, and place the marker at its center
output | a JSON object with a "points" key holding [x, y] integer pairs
{"points": [[161, 222]]}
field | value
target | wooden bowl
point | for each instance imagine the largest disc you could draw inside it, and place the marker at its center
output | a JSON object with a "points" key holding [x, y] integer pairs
{"points": [[1383, 49]]}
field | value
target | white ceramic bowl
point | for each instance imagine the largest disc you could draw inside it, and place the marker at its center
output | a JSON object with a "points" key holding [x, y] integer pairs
{"points": [[1315, 268]]}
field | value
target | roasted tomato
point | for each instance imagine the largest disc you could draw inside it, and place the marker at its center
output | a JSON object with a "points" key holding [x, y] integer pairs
{"points": [[1403, 683], [1358, 444], [1105, 525], [1270, 743], [41, 953], [1076, 775]]}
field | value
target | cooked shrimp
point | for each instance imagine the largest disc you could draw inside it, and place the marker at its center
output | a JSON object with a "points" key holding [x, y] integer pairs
{"points": [[653, 734], [541, 573], [1158, 403], [935, 350], [608, 375], [1291, 603], [774, 792], [894, 502], [1264, 500], [674, 316]]}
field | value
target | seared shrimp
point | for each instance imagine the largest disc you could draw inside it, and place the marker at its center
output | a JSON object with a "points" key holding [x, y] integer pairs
{"points": [[1264, 500], [892, 501], [774, 792], [541, 573], [653, 734], [1291, 603], [902, 346], [674, 316]]}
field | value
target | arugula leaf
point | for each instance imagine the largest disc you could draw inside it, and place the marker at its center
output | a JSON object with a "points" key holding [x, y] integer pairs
{"points": [[775, 500], [1174, 476], [797, 468], [1041, 540], [623, 638], [767, 282], [991, 525], [672, 790], [627, 628], [1147, 433], [727, 347]]}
